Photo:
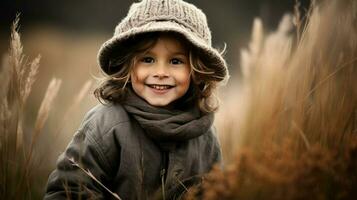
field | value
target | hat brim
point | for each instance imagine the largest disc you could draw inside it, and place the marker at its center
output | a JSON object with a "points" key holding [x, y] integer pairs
{"points": [[213, 58]]}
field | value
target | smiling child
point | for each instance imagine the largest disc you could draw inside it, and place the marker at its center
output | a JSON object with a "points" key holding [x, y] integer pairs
{"points": [[153, 134]]}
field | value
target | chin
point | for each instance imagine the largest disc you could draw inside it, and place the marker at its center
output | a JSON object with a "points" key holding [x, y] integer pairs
{"points": [[158, 103]]}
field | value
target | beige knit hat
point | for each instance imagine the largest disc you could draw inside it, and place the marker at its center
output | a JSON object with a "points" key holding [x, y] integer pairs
{"points": [[166, 16]]}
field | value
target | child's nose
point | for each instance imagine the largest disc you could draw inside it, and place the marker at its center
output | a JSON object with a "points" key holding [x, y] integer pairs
{"points": [[161, 71]]}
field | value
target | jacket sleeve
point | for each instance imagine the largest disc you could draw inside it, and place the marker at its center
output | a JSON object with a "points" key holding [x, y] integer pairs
{"points": [[216, 149], [68, 181]]}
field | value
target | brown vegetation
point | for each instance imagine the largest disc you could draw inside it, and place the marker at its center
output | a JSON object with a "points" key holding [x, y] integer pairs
{"points": [[20, 177], [288, 128], [297, 135]]}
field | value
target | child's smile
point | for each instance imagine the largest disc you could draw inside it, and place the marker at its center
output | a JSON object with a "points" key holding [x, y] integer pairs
{"points": [[162, 74], [160, 88]]}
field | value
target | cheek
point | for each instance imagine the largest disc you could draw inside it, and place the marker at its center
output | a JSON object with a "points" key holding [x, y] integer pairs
{"points": [[183, 80], [186, 81], [137, 75], [136, 81], [133, 77], [184, 77]]}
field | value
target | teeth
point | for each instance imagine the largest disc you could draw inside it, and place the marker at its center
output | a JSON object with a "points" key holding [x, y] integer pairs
{"points": [[160, 87]]}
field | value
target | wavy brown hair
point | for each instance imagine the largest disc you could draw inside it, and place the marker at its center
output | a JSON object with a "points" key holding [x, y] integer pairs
{"points": [[202, 91]]}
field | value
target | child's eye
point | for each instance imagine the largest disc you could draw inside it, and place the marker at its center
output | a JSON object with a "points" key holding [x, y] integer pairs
{"points": [[147, 60], [176, 61]]}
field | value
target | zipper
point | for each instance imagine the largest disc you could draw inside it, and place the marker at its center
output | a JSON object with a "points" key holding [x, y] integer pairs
{"points": [[162, 174], [163, 171]]}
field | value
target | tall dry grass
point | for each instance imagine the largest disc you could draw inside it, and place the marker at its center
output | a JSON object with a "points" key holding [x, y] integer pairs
{"points": [[16, 150], [297, 134], [20, 177], [293, 130]]}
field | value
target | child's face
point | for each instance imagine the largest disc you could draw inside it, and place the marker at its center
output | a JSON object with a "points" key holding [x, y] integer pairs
{"points": [[162, 74]]}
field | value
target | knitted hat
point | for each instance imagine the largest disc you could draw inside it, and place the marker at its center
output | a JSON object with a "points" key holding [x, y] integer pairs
{"points": [[166, 16]]}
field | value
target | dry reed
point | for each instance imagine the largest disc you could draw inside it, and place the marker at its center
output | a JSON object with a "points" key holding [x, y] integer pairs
{"points": [[16, 163], [20, 77], [19, 160], [297, 135], [89, 174]]}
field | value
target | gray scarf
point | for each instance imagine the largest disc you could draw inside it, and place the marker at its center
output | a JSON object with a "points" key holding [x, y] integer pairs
{"points": [[167, 127]]}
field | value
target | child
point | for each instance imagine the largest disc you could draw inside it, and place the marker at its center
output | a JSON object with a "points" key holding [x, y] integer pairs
{"points": [[154, 134]]}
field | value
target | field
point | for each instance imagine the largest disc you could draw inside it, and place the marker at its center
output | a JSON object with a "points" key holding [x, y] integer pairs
{"points": [[287, 122]]}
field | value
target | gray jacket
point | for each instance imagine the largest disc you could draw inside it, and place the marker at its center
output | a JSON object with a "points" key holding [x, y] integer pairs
{"points": [[115, 149]]}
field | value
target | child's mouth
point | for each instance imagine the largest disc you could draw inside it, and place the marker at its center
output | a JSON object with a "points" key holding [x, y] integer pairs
{"points": [[160, 87]]}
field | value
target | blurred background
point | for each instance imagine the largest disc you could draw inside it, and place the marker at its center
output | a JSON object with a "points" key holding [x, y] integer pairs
{"points": [[67, 35], [76, 22], [292, 102]]}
